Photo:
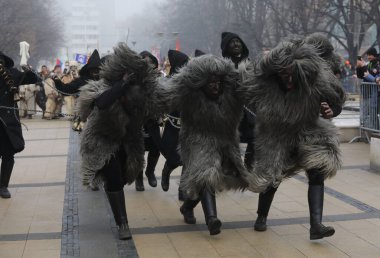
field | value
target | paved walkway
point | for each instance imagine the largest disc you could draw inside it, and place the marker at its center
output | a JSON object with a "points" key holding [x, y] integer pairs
{"points": [[51, 215]]}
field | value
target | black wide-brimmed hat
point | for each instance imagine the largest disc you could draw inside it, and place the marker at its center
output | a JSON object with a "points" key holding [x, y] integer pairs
{"points": [[93, 62], [177, 59], [8, 61]]}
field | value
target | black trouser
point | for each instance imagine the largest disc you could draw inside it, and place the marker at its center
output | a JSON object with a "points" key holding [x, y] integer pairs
{"points": [[113, 172], [7, 158], [249, 154]]}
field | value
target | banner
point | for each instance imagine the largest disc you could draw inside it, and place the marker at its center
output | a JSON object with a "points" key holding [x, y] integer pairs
{"points": [[82, 59]]}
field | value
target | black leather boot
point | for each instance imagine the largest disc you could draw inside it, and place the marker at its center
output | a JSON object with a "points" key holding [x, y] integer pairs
{"points": [[117, 202], [165, 180], [209, 208], [187, 210], [7, 163], [150, 167], [315, 198], [139, 183], [265, 201]]}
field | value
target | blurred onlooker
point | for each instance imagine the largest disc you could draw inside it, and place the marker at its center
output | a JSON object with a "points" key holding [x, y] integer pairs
{"points": [[27, 103], [54, 99], [347, 69], [368, 72]]}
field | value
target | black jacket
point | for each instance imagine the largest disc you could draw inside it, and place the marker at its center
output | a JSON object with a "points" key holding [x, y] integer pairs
{"points": [[9, 119]]}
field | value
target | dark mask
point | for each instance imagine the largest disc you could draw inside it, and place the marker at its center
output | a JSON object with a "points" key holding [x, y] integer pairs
{"points": [[213, 88], [235, 47]]}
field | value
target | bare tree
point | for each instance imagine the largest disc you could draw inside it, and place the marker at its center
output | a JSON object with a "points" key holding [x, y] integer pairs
{"points": [[33, 21]]}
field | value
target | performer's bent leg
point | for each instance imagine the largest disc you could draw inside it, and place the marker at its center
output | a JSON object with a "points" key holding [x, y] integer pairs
{"points": [[209, 208], [265, 201], [315, 199], [153, 156], [165, 180], [113, 185], [7, 162], [187, 210]]}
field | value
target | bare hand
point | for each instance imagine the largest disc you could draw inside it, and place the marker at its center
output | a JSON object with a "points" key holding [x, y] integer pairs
{"points": [[326, 111]]}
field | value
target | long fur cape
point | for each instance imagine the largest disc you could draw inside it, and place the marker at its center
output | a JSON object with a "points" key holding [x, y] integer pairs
{"points": [[290, 134], [209, 138], [113, 128]]}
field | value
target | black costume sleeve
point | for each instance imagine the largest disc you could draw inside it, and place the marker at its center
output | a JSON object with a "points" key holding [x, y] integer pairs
{"points": [[107, 98], [70, 88], [336, 109], [22, 78]]}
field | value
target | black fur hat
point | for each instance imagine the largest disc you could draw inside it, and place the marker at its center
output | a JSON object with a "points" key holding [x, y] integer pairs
{"points": [[93, 62], [8, 61], [226, 38], [177, 59], [151, 57]]}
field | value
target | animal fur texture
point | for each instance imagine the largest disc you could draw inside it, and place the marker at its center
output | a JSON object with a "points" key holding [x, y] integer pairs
{"points": [[209, 137], [290, 134], [108, 130]]}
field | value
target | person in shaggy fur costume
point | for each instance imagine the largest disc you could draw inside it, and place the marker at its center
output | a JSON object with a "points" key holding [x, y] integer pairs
{"points": [[112, 143], [205, 93], [295, 93]]}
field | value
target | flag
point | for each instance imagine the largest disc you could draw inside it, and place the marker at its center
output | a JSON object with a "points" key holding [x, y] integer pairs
{"points": [[177, 46], [82, 59], [58, 62]]}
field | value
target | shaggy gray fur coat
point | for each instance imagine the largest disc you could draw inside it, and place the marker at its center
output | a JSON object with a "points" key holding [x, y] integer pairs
{"points": [[108, 130], [290, 134], [209, 137]]}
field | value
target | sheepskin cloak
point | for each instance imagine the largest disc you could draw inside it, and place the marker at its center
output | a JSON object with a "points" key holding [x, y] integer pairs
{"points": [[290, 134], [209, 137], [110, 129]]}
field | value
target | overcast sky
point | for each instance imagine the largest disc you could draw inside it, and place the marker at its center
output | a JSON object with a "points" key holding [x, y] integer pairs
{"points": [[126, 8]]}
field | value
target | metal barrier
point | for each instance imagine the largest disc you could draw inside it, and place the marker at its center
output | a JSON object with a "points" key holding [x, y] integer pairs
{"points": [[369, 110], [370, 107]]}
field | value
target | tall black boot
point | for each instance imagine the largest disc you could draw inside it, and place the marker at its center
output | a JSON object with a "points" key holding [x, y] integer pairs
{"points": [[7, 163], [187, 210], [150, 167], [315, 198], [165, 180], [117, 202], [139, 183], [265, 201], [209, 208]]}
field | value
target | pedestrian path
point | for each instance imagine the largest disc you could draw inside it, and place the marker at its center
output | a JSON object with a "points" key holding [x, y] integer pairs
{"points": [[51, 215]]}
